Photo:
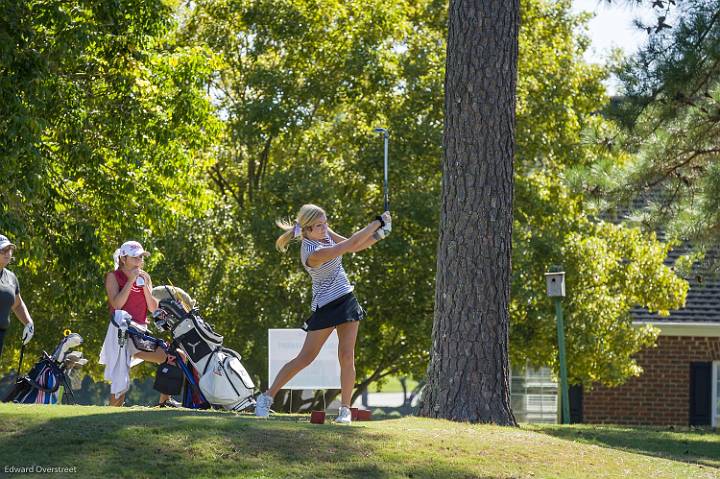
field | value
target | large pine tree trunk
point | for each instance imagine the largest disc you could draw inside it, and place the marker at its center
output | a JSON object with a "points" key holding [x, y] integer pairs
{"points": [[468, 377]]}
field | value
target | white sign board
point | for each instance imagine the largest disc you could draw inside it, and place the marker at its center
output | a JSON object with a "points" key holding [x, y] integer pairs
{"points": [[322, 373]]}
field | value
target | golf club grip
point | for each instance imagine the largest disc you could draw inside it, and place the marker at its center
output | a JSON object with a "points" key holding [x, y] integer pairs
{"points": [[22, 353], [387, 188]]}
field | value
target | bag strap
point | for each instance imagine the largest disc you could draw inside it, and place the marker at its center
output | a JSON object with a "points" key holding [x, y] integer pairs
{"points": [[229, 381], [169, 292], [212, 356], [55, 371], [139, 334]]}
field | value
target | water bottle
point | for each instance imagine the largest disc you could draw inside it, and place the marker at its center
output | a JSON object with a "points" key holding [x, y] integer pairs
{"points": [[140, 281]]}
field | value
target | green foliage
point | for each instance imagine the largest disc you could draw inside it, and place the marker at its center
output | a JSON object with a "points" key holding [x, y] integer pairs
{"points": [[609, 268], [105, 127], [109, 135], [671, 111], [302, 91]]}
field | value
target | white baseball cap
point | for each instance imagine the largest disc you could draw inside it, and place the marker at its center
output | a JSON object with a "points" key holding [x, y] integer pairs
{"points": [[132, 248], [5, 242], [129, 248]]}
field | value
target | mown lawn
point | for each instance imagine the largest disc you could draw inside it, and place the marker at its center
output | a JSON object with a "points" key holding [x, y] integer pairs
{"points": [[700, 446], [142, 442], [392, 385]]}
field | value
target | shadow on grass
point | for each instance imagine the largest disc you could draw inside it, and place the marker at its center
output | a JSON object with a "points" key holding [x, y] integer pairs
{"points": [[697, 446], [384, 413], [142, 443]]}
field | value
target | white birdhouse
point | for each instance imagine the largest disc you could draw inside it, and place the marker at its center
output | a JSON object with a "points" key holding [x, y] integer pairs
{"points": [[555, 284]]}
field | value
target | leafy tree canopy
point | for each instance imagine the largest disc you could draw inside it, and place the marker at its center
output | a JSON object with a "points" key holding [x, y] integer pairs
{"points": [[193, 136], [105, 129], [559, 135], [670, 108]]}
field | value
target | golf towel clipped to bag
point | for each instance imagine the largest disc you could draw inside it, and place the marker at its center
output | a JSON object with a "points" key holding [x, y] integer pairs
{"points": [[223, 379]]}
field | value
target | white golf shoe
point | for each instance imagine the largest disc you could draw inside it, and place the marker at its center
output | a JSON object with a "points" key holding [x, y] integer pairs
{"points": [[262, 406], [344, 415]]}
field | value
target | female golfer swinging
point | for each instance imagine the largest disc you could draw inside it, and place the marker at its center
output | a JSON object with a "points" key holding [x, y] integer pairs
{"points": [[333, 304]]}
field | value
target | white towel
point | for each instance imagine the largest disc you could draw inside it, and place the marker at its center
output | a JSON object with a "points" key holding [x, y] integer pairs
{"points": [[118, 359]]}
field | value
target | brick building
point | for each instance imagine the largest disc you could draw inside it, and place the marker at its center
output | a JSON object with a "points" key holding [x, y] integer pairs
{"points": [[680, 384]]}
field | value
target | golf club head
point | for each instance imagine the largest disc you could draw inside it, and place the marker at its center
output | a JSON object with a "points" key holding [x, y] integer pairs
{"points": [[162, 320], [73, 356], [71, 341], [177, 294], [71, 364]]}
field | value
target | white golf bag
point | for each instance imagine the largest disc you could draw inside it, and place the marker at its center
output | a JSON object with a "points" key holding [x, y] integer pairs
{"points": [[223, 379]]}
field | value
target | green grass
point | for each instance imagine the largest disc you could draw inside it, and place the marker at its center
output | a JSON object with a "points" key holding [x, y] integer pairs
{"points": [[392, 385], [700, 446], [140, 442]]}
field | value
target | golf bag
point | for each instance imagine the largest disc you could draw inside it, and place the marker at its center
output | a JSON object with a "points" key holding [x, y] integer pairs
{"points": [[172, 379], [41, 385], [221, 377]]}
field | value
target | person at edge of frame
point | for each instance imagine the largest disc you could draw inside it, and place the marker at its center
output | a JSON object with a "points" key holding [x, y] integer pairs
{"points": [[10, 298]]}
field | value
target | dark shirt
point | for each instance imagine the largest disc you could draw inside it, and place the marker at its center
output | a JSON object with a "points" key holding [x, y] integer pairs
{"points": [[9, 289]]}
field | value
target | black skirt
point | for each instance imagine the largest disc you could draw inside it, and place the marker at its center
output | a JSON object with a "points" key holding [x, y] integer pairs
{"points": [[342, 310]]}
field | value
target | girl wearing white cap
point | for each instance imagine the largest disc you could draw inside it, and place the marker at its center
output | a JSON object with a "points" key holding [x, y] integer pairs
{"points": [[129, 288], [10, 298], [334, 306]]}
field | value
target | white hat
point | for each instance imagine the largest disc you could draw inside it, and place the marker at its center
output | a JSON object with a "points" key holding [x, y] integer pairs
{"points": [[4, 242], [129, 248]]}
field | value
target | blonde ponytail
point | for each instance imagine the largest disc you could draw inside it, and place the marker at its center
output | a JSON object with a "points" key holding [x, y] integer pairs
{"points": [[305, 217], [281, 244]]}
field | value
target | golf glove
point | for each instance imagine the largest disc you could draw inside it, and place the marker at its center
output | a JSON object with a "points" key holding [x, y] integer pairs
{"points": [[28, 333], [379, 234], [388, 224]]}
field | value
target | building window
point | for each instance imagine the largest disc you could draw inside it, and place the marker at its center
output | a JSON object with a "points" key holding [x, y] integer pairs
{"points": [[533, 395]]}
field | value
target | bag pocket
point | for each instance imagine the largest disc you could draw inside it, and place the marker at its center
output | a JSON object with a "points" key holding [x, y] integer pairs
{"points": [[225, 380], [168, 378], [143, 344]]}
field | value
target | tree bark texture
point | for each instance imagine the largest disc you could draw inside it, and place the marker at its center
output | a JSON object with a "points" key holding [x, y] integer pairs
{"points": [[468, 376]]}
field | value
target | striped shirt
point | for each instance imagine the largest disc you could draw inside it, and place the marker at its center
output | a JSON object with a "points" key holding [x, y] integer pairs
{"points": [[329, 280]]}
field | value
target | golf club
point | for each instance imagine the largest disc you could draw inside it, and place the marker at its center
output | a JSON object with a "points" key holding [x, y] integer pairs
{"points": [[71, 341], [22, 353], [386, 137]]}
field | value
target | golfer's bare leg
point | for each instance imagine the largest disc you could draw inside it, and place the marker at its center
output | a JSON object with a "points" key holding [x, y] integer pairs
{"points": [[311, 347], [158, 356], [347, 334], [117, 401]]}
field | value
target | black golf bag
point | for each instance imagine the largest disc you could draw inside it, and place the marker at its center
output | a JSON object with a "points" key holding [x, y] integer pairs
{"points": [[41, 385], [221, 377]]}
